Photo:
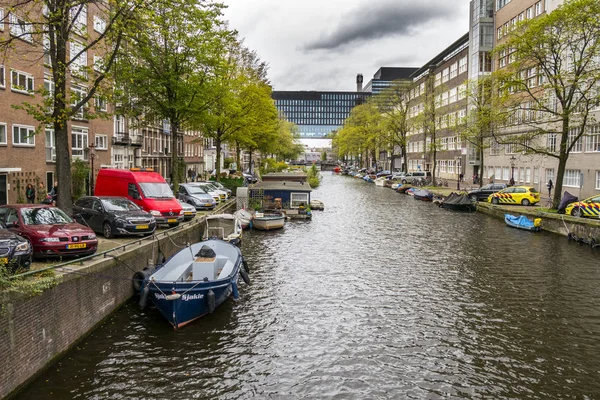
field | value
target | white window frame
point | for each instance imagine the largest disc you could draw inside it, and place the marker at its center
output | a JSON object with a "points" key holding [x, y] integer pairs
{"points": [[3, 127], [30, 132], [99, 24], [98, 64], [29, 82], [453, 70], [572, 178], [50, 145], [79, 23], [20, 28], [597, 180], [46, 47], [101, 142], [100, 104], [82, 92], [462, 65], [297, 198], [578, 147], [2, 76], [79, 63], [592, 142], [78, 148], [1, 20], [536, 175]]}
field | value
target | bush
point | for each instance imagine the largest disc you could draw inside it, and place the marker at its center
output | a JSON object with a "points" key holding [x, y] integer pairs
{"points": [[313, 176], [231, 183], [80, 171], [271, 165]]}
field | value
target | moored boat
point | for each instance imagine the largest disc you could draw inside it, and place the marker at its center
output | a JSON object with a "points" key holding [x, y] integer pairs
{"points": [[268, 221], [522, 222], [316, 205], [224, 227], [422, 194], [244, 216], [194, 281], [458, 202]]}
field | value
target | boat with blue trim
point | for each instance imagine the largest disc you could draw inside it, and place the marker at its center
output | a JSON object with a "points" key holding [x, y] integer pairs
{"points": [[522, 222], [194, 281]]}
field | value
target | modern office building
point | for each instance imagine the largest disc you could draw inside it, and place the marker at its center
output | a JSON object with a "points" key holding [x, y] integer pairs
{"points": [[317, 113], [384, 77]]}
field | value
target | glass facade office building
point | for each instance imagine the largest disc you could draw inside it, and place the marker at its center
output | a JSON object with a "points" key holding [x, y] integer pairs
{"points": [[317, 113]]}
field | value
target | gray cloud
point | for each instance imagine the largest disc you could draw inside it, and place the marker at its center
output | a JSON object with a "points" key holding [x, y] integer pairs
{"points": [[381, 20]]}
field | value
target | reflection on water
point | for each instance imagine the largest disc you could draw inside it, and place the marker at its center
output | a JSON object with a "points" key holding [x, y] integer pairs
{"points": [[380, 296]]}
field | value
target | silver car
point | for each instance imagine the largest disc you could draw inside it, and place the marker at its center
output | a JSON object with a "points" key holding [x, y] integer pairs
{"points": [[196, 196]]}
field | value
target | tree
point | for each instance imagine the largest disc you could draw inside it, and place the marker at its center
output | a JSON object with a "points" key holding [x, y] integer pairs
{"points": [[482, 120], [361, 134], [428, 121], [57, 27], [170, 67], [553, 80], [392, 103], [244, 112]]}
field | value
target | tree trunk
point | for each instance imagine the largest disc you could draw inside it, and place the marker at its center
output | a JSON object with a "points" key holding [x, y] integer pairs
{"points": [[61, 129], [238, 157], [562, 163], [218, 161], [249, 162], [175, 179], [481, 165]]}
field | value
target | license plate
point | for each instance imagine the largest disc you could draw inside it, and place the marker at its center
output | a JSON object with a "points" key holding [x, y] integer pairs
{"points": [[141, 227], [4, 260], [208, 205], [76, 246], [172, 220], [187, 213]]}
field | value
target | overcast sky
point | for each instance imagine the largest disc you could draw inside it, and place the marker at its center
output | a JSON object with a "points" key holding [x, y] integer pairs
{"points": [[323, 44]]}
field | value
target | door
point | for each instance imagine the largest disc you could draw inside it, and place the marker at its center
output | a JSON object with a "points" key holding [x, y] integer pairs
{"points": [[3, 189], [49, 181], [96, 216]]}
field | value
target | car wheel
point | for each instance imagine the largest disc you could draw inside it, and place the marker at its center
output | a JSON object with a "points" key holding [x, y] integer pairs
{"points": [[107, 230], [495, 201], [576, 212], [473, 198], [525, 202]]}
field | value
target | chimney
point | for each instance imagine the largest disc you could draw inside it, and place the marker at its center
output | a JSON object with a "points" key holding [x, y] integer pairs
{"points": [[359, 82]]}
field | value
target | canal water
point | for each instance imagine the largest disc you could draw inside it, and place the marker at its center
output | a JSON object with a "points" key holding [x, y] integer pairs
{"points": [[379, 296]]}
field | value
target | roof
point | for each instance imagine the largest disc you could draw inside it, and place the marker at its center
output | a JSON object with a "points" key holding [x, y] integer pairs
{"points": [[282, 185], [393, 73], [440, 57]]}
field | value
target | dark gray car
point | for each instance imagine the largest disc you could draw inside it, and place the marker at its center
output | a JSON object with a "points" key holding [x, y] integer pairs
{"points": [[196, 196], [483, 192]]}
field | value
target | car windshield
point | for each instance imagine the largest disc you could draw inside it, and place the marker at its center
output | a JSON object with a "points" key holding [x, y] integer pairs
{"points": [[486, 187], [196, 190], [119, 205], [533, 190], [44, 216], [156, 190], [207, 188]]}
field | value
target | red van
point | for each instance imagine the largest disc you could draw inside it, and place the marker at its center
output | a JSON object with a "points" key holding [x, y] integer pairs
{"points": [[144, 187]]}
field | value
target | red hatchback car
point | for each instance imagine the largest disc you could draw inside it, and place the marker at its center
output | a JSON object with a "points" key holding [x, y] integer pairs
{"points": [[51, 232]]}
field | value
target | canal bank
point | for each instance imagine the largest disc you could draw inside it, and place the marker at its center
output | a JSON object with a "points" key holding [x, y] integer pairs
{"points": [[38, 328]]}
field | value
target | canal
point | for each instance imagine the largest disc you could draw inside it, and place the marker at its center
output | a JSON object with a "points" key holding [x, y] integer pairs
{"points": [[379, 296]]}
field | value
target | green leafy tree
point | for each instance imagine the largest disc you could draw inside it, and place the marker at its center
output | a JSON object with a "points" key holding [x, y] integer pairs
{"points": [[55, 26], [170, 67], [361, 134], [553, 79], [392, 103]]}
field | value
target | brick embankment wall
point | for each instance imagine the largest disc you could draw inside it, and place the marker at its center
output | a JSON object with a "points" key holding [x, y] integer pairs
{"points": [[556, 223], [36, 330]]}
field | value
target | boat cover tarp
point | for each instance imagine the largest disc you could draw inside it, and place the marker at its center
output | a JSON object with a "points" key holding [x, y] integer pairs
{"points": [[457, 199], [521, 220], [567, 199], [423, 193]]}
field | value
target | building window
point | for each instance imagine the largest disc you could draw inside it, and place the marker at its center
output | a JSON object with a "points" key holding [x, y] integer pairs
{"points": [[297, 199], [21, 82], [101, 142], [592, 143], [99, 24], [438, 79], [98, 64], [510, 148], [23, 135], [20, 28], [79, 142], [462, 65], [536, 175], [578, 146], [550, 174], [597, 180], [3, 133], [505, 173], [78, 93], [100, 104], [1, 19], [50, 145], [46, 47], [78, 59], [572, 178], [538, 8], [445, 74], [453, 70], [529, 13], [551, 142], [2, 79], [528, 175], [79, 15]]}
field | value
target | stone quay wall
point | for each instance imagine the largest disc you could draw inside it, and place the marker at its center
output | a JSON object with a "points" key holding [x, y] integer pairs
{"points": [[37, 330]]}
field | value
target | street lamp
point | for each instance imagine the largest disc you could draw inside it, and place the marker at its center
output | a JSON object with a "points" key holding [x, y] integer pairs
{"points": [[92, 147]]}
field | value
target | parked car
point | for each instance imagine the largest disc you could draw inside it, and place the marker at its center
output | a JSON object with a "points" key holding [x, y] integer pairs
{"points": [[220, 186], [189, 211], [482, 193], [515, 195], [589, 207], [50, 231], [144, 187], [409, 177], [196, 196], [15, 251], [223, 195], [113, 216], [208, 189]]}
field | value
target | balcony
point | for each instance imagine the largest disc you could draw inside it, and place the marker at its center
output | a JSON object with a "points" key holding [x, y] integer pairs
{"points": [[124, 139]]}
